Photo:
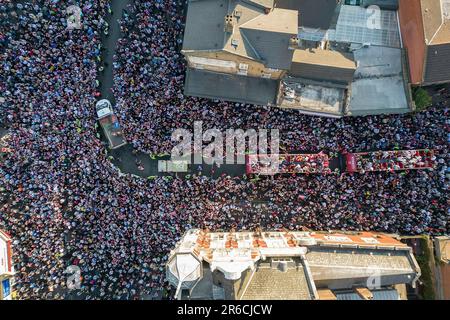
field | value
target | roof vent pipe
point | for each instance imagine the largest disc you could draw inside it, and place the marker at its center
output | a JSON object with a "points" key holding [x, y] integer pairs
{"points": [[283, 266]]}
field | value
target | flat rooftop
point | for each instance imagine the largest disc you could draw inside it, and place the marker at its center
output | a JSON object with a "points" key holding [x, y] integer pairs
{"points": [[312, 13], [378, 86], [313, 98]]}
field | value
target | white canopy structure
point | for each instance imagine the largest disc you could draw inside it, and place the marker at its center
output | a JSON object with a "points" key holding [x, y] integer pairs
{"points": [[184, 271]]}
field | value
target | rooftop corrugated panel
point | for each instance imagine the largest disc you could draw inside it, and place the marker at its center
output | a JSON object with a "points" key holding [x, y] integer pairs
{"points": [[386, 260], [390, 294]]}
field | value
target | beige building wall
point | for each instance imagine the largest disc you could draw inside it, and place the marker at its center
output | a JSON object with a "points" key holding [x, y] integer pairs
{"points": [[226, 62]]}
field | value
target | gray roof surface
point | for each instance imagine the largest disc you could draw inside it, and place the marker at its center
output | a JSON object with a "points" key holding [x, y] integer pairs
{"points": [[271, 47], [205, 15], [437, 67], [230, 87], [322, 73], [312, 13], [378, 87]]}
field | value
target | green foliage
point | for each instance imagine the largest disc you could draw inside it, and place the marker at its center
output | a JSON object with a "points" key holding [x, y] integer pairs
{"points": [[426, 278], [422, 99]]}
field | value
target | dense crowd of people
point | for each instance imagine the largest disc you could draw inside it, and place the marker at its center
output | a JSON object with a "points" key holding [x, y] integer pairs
{"points": [[65, 204]]}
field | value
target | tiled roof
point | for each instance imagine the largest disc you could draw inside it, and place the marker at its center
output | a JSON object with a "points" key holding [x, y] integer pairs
{"points": [[273, 284], [437, 66]]}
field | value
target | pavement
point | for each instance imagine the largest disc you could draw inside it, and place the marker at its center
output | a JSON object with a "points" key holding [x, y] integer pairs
{"points": [[3, 132], [109, 42], [128, 160], [125, 158]]}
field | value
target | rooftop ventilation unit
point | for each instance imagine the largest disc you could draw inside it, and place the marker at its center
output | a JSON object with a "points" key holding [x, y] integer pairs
{"points": [[229, 24], [283, 266], [294, 43]]}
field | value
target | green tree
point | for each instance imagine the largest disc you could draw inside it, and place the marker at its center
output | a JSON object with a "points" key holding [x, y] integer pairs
{"points": [[421, 98]]}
